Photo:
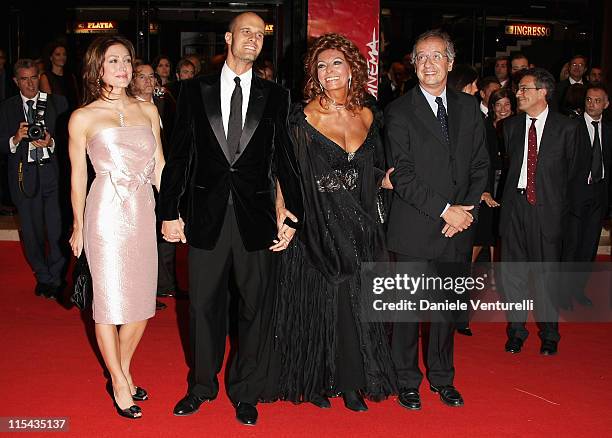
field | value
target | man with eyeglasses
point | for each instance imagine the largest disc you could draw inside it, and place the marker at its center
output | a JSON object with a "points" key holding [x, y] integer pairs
{"points": [[590, 192], [436, 141], [542, 154], [577, 68]]}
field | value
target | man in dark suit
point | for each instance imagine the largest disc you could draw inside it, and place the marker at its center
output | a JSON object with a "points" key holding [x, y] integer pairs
{"points": [[441, 170], [589, 190], [230, 171], [577, 68], [542, 153], [7, 89], [35, 162]]}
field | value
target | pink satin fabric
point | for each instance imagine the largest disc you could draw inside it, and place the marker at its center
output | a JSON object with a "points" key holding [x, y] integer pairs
{"points": [[119, 227]]}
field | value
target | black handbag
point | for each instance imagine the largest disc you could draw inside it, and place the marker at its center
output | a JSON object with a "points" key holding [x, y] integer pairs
{"points": [[82, 293]]}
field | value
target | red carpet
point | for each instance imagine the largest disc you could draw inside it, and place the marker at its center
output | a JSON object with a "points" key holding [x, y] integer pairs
{"points": [[49, 368]]}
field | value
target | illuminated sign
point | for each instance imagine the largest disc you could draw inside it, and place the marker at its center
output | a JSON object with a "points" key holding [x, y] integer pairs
{"points": [[528, 30], [96, 27], [269, 29]]}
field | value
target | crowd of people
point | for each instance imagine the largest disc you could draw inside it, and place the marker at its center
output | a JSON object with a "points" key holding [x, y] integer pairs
{"points": [[282, 202]]}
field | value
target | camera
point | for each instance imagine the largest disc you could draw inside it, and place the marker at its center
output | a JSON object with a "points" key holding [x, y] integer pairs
{"points": [[36, 130]]}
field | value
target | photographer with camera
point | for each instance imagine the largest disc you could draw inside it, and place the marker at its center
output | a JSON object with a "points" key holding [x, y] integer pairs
{"points": [[27, 126]]}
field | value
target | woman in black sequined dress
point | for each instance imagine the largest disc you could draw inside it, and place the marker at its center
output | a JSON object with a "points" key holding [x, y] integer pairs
{"points": [[322, 345]]}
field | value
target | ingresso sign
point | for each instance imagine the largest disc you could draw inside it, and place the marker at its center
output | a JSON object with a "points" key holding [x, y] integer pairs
{"points": [[528, 30]]}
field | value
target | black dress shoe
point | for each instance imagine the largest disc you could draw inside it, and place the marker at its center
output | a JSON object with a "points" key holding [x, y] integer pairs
{"points": [[246, 413], [140, 395], [514, 345], [448, 394], [41, 289], [54, 291], [465, 331], [190, 404], [410, 399], [583, 300], [320, 401], [548, 348], [354, 401], [159, 305]]}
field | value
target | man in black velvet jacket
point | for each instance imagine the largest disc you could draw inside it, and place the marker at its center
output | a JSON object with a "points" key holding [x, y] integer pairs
{"points": [[230, 157]]}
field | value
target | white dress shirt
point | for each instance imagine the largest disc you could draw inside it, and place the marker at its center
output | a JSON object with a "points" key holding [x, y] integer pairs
{"points": [[588, 119], [484, 109], [13, 147], [227, 88], [431, 100], [539, 126], [572, 82]]}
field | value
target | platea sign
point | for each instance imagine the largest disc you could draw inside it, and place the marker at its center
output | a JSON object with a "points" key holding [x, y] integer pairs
{"points": [[95, 27]]}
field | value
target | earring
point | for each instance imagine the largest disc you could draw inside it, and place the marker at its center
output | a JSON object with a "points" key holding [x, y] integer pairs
{"points": [[349, 82], [321, 85], [99, 84]]}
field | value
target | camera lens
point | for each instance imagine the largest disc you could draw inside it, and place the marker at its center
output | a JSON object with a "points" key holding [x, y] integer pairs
{"points": [[35, 132]]}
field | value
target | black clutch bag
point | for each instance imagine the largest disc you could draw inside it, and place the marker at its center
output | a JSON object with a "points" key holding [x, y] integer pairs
{"points": [[82, 293]]}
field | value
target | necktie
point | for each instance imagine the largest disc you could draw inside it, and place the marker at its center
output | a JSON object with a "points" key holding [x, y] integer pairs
{"points": [[532, 162], [234, 127], [30, 114], [36, 154], [443, 119], [596, 162]]}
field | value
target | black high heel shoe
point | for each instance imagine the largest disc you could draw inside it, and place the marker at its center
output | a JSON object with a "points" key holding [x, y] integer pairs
{"points": [[354, 401], [133, 412], [141, 394]]}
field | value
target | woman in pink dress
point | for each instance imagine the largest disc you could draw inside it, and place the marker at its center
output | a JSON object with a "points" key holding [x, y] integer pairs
{"points": [[116, 224]]}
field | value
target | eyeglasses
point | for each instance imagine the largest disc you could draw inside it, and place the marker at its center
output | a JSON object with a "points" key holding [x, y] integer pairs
{"points": [[524, 89], [434, 57]]}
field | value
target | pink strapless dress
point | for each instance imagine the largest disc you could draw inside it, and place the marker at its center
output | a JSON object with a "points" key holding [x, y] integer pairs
{"points": [[119, 227]]}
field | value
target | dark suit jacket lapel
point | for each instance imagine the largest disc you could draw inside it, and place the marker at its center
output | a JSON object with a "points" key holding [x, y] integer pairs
{"points": [[454, 117], [547, 134], [211, 95], [257, 103], [425, 114]]}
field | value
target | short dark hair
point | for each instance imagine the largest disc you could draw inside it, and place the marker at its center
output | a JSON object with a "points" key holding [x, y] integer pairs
{"points": [[24, 63], [586, 60], [460, 76], [597, 86], [518, 55], [543, 79], [486, 81], [499, 95], [501, 58]]}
